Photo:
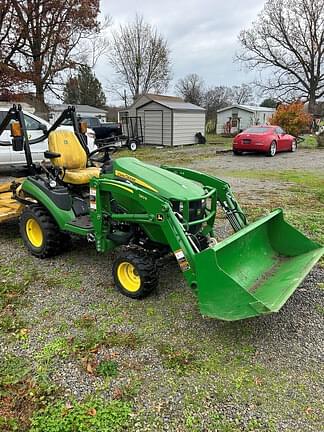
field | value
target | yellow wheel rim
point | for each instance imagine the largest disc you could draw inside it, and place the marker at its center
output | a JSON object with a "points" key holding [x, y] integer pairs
{"points": [[34, 233], [128, 277]]}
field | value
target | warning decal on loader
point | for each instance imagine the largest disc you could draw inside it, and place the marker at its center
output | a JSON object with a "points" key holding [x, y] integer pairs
{"points": [[182, 261], [93, 204]]}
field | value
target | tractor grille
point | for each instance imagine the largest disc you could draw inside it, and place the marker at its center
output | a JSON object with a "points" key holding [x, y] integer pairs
{"points": [[196, 212]]}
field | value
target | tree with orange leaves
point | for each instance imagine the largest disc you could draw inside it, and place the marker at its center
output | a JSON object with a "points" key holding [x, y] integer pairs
{"points": [[292, 118]]}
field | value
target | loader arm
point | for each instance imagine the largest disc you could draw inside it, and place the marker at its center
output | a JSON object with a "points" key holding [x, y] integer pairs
{"points": [[225, 197], [157, 212]]}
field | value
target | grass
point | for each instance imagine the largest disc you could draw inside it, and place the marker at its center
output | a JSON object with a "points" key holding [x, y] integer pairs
{"points": [[95, 415], [219, 140], [155, 363], [309, 142], [107, 368], [12, 289], [301, 197]]}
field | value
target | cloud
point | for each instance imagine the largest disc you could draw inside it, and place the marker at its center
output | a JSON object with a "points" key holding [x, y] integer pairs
{"points": [[202, 35]]}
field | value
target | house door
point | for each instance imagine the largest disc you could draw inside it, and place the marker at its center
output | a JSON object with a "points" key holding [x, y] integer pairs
{"points": [[153, 127]]}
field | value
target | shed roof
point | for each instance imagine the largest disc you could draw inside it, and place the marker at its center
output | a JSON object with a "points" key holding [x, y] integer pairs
{"points": [[249, 108], [171, 102], [175, 105], [78, 108], [157, 97]]}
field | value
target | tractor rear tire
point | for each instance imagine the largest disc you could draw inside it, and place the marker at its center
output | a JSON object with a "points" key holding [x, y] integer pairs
{"points": [[135, 274], [39, 232]]}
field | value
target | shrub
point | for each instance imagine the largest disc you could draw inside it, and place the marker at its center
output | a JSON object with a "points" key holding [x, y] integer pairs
{"points": [[292, 118]]}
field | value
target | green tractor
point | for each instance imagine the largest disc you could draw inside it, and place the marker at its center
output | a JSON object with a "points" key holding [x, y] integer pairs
{"points": [[155, 211]]}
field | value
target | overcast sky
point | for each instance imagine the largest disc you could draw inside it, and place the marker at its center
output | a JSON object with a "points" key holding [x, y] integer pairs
{"points": [[202, 35]]}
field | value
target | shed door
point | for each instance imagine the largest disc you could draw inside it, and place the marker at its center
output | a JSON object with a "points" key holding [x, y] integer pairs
{"points": [[153, 127]]}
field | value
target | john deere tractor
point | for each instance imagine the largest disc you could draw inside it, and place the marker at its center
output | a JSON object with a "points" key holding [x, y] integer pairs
{"points": [[156, 211]]}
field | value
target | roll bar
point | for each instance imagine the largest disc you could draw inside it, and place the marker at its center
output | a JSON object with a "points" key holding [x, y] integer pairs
{"points": [[16, 113]]}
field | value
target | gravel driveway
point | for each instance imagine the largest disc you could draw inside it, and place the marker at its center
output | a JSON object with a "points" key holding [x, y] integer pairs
{"points": [[179, 371]]}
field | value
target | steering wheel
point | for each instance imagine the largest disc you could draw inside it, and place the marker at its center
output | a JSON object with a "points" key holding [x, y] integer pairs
{"points": [[104, 151]]}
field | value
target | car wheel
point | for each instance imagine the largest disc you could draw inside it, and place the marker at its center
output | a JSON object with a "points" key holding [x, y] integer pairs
{"points": [[273, 149], [293, 146], [237, 153]]}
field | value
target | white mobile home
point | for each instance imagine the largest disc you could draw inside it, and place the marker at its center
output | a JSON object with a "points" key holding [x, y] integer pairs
{"points": [[239, 117], [167, 120], [82, 110]]}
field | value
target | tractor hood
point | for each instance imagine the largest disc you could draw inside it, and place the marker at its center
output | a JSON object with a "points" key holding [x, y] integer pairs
{"points": [[157, 180]]}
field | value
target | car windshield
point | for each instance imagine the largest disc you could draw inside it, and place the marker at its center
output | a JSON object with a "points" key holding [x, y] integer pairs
{"points": [[257, 130]]}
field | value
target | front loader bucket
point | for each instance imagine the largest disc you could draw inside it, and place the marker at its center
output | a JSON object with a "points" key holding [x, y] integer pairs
{"points": [[254, 271]]}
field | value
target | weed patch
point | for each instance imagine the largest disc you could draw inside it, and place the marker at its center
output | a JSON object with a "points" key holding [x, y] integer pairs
{"points": [[94, 338], [107, 368], [95, 415], [20, 394], [179, 360]]}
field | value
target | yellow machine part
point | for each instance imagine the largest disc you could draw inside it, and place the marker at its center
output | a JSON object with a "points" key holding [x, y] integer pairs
{"points": [[9, 207]]}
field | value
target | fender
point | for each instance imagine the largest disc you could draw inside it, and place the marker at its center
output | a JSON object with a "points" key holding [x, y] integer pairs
{"points": [[61, 216]]}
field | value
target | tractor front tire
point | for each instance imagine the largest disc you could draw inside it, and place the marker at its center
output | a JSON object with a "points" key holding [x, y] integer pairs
{"points": [[135, 274], [39, 231]]}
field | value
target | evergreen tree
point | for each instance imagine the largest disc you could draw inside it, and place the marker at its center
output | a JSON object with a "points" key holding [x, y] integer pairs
{"points": [[269, 103], [84, 89]]}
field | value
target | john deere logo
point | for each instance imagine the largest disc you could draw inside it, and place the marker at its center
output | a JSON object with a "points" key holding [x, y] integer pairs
{"points": [[66, 141]]}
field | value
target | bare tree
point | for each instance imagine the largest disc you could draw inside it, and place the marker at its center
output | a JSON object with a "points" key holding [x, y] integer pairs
{"points": [[191, 88], [51, 29], [288, 39], [96, 45], [242, 94], [215, 98], [141, 58]]}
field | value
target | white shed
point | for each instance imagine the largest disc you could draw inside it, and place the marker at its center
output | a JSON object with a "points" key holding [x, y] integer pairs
{"points": [[234, 118], [168, 120]]}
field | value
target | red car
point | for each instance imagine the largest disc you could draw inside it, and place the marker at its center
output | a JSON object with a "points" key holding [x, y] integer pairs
{"points": [[264, 139]]}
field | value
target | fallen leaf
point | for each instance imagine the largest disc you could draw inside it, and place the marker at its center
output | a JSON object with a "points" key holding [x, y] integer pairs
{"points": [[258, 381], [118, 393], [308, 410], [92, 412], [89, 368]]}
